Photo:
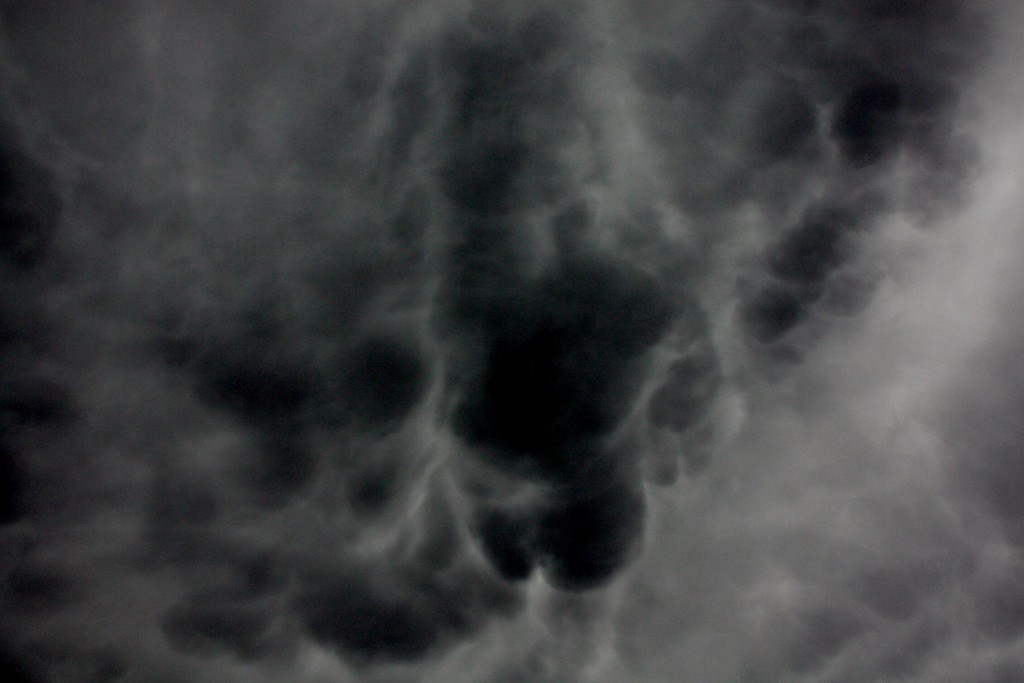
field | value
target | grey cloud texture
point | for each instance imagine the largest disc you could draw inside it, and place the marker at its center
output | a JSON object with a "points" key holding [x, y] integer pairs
{"points": [[417, 341]]}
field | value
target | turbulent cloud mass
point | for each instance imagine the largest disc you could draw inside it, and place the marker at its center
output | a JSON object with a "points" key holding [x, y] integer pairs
{"points": [[653, 341]]}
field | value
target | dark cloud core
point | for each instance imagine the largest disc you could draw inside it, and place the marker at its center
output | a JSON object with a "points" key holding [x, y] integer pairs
{"points": [[648, 342]]}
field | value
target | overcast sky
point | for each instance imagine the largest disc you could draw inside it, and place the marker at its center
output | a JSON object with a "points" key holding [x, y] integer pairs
{"points": [[455, 341]]}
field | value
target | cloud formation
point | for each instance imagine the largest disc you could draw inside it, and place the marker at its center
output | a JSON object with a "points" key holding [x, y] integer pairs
{"points": [[666, 340]]}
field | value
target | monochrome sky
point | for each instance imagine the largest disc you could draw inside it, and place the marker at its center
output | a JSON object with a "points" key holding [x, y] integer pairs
{"points": [[465, 341]]}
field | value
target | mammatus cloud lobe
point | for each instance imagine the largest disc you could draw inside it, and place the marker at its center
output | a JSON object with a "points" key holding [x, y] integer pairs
{"points": [[506, 341]]}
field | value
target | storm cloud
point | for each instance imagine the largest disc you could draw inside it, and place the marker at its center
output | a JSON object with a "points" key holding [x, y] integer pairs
{"points": [[667, 340]]}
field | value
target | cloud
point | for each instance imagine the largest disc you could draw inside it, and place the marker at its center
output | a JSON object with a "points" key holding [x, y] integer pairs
{"points": [[653, 341]]}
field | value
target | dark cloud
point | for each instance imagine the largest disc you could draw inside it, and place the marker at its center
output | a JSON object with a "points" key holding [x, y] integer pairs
{"points": [[905, 654], [546, 364], [1000, 608], [49, 41], [382, 379], [802, 266], [250, 370], [182, 510], [702, 70], [23, 331], [370, 624], [12, 485], [38, 585], [809, 252], [27, 402], [282, 392], [878, 97], [824, 634], [771, 313], [14, 670], [29, 210], [848, 294], [481, 179], [685, 397], [585, 537], [898, 592], [982, 426], [867, 119], [557, 366], [786, 122], [32, 403], [508, 105], [508, 540], [279, 467], [337, 341], [258, 388], [205, 627], [375, 619], [662, 73], [1005, 672], [557, 375], [96, 665], [410, 98], [102, 665], [370, 491], [580, 537]]}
